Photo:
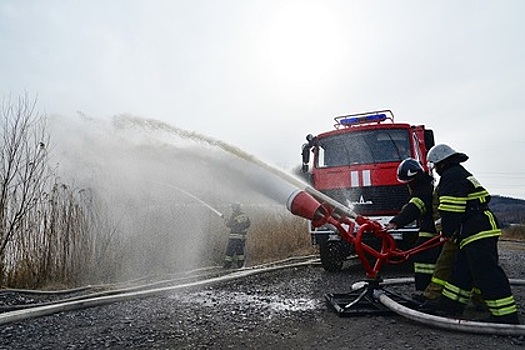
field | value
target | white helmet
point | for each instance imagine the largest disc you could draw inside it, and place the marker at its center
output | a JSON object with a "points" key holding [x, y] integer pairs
{"points": [[441, 152]]}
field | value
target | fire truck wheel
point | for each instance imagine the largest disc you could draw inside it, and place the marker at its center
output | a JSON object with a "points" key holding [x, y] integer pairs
{"points": [[332, 255]]}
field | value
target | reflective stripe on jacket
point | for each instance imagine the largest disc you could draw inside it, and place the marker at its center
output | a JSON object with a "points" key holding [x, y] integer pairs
{"points": [[463, 206], [241, 236]]}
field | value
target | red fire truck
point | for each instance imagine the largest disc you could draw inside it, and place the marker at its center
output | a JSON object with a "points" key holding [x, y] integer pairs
{"points": [[356, 165]]}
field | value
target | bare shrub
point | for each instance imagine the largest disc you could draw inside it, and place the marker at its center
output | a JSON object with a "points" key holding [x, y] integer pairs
{"points": [[23, 173], [51, 233]]}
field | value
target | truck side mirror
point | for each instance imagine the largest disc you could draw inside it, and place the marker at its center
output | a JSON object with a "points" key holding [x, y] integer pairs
{"points": [[306, 157], [429, 139]]}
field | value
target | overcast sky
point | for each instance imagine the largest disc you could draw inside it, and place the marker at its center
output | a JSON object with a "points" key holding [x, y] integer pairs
{"points": [[262, 74]]}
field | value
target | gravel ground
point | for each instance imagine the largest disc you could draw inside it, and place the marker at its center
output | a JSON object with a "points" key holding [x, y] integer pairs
{"points": [[278, 310]]}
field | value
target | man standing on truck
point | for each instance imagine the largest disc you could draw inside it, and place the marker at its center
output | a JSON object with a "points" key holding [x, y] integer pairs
{"points": [[419, 207], [238, 222], [466, 217]]}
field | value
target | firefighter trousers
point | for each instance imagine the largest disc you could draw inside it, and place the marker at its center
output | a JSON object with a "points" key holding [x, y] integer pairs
{"points": [[477, 264], [235, 251], [441, 271], [425, 262]]}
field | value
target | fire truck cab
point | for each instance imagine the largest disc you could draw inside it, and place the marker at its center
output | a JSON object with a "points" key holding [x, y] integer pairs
{"points": [[356, 164]]}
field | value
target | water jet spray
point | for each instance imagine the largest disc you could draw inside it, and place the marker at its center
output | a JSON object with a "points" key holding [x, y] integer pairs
{"points": [[215, 211]]}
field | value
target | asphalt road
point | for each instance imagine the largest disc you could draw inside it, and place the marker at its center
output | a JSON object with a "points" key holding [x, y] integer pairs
{"points": [[279, 310]]}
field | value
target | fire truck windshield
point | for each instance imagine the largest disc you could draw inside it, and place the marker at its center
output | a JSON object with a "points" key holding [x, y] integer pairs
{"points": [[363, 147]]}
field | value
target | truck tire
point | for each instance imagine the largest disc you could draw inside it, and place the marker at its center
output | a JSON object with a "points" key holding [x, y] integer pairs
{"points": [[333, 254]]}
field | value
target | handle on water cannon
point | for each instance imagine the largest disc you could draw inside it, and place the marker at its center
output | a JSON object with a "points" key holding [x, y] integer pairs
{"points": [[361, 220]]}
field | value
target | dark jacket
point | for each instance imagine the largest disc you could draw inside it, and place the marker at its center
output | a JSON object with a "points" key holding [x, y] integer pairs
{"points": [[419, 205], [463, 206], [238, 222]]}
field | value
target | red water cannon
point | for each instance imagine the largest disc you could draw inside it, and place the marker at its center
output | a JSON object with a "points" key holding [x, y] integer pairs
{"points": [[305, 205], [321, 209]]}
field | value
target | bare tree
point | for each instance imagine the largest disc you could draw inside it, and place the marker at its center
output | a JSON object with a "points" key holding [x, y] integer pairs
{"points": [[23, 170]]}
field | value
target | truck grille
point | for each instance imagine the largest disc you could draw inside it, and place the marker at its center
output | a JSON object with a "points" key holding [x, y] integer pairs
{"points": [[368, 201]]}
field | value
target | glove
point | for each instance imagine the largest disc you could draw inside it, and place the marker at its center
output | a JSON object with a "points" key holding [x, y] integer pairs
{"points": [[391, 226], [452, 235], [437, 223]]}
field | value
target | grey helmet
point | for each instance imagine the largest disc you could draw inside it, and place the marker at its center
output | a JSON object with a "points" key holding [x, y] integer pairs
{"points": [[236, 207], [440, 152]]}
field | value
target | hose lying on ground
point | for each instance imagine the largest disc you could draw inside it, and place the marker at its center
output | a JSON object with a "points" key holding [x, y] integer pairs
{"points": [[459, 325]]}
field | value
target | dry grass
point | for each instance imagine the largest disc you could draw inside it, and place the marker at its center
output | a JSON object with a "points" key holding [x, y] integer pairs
{"points": [[65, 260], [88, 256], [272, 236], [278, 236], [514, 232]]}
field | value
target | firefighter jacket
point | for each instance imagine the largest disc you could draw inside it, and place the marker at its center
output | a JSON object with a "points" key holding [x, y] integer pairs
{"points": [[238, 223], [419, 206], [463, 206]]}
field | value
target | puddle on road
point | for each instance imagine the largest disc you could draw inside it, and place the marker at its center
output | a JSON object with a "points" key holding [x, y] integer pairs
{"points": [[271, 304]]}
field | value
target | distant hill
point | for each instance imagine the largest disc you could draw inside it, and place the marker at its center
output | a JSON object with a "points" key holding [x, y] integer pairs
{"points": [[508, 210]]}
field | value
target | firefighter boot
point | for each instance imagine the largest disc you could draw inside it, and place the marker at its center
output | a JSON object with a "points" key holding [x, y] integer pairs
{"points": [[478, 302], [420, 299], [507, 319], [228, 260], [443, 306]]}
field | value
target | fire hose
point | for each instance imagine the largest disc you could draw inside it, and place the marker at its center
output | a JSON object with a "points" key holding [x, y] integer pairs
{"points": [[460, 325], [321, 209], [138, 292]]}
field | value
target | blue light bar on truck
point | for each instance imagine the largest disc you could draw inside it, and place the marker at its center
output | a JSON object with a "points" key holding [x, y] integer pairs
{"points": [[363, 119]]}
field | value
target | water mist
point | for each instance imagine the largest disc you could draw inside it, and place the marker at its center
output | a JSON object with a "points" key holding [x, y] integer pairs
{"points": [[164, 188]]}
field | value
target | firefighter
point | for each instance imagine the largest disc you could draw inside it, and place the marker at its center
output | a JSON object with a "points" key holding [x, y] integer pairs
{"points": [[238, 222], [419, 207], [466, 218]]}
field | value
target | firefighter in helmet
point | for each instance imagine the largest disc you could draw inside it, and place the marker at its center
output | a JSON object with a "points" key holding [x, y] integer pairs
{"points": [[466, 218], [238, 222], [419, 207]]}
